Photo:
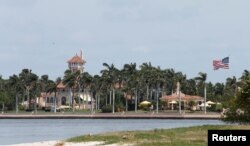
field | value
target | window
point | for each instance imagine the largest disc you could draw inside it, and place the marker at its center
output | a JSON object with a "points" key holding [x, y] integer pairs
{"points": [[63, 100], [51, 100]]}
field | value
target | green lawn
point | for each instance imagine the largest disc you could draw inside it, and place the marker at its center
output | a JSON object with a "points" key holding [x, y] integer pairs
{"points": [[191, 136]]}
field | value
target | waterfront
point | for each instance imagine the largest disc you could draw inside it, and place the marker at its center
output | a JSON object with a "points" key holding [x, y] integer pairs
{"points": [[15, 131]]}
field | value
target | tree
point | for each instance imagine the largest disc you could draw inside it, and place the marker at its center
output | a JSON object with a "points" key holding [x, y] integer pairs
{"points": [[105, 89], [51, 87], [146, 76], [231, 86], [171, 82], [70, 80], [202, 79], [96, 88], [15, 84], [2, 84], [239, 107], [111, 74], [243, 79], [28, 79], [219, 89], [131, 80], [190, 87], [158, 84], [43, 83], [85, 84], [245, 75], [4, 98]]}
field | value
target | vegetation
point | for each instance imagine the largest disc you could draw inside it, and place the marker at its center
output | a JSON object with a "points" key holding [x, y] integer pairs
{"points": [[239, 108], [107, 108], [216, 108], [123, 89], [191, 105], [145, 107], [191, 136]]}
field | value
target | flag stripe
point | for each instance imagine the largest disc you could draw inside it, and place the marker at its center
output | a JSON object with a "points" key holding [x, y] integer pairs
{"points": [[224, 63]]}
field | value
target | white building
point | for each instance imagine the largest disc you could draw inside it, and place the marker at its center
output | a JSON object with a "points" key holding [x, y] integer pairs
{"points": [[64, 95]]}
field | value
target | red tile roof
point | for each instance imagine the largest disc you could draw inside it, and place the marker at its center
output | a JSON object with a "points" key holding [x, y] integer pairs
{"points": [[175, 96], [77, 59]]}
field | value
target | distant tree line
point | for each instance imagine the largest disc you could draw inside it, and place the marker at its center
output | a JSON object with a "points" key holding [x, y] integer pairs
{"points": [[113, 85]]}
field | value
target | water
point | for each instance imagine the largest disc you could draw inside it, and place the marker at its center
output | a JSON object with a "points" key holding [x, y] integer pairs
{"points": [[34, 130]]}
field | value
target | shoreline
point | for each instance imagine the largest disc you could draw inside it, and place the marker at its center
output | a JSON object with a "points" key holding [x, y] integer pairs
{"points": [[58, 143], [112, 116]]}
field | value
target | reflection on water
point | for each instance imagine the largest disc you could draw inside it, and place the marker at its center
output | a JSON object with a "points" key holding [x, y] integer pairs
{"points": [[34, 130]]}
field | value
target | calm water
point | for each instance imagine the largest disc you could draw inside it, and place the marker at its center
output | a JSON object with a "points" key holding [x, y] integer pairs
{"points": [[34, 130]]}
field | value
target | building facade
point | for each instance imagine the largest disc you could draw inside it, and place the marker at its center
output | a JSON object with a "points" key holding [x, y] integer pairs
{"points": [[173, 99], [77, 63], [63, 98]]}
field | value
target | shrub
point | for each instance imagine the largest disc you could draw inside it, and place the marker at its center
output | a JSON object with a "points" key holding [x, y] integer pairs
{"points": [[107, 108], [145, 107], [119, 108], [21, 107], [216, 107]]}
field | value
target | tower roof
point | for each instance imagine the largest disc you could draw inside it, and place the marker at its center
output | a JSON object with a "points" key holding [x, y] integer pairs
{"points": [[77, 59]]}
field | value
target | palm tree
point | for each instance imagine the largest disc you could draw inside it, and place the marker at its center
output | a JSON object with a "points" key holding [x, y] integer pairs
{"points": [[202, 79], [51, 87], [125, 89], [78, 83], [105, 87], [4, 98], [219, 92], [16, 85], [245, 75], [85, 83], [111, 73], [131, 81], [70, 80], [1, 82], [243, 79], [231, 86], [159, 81], [190, 87], [96, 88], [135, 82], [43, 83], [29, 80], [171, 80], [147, 76]]}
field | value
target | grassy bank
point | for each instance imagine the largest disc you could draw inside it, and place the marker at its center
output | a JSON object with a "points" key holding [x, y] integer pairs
{"points": [[191, 136]]}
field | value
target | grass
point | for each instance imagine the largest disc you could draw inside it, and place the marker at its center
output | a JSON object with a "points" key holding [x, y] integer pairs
{"points": [[191, 136]]}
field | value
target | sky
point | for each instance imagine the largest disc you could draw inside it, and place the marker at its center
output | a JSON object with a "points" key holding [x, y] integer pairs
{"points": [[186, 35]]}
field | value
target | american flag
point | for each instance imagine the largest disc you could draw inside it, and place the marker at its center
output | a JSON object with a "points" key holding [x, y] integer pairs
{"points": [[224, 63]]}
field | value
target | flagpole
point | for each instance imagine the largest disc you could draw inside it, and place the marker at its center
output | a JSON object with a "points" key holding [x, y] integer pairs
{"points": [[236, 88], [205, 92], [179, 94]]}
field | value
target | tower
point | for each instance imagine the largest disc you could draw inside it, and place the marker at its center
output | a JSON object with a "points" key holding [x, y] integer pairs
{"points": [[77, 63]]}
